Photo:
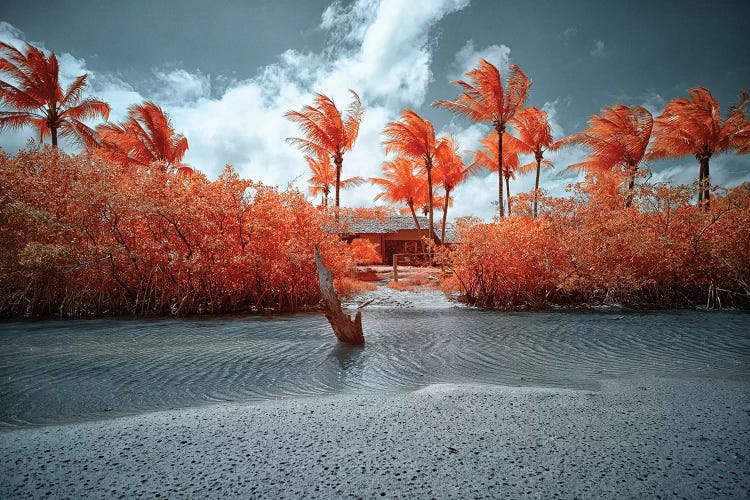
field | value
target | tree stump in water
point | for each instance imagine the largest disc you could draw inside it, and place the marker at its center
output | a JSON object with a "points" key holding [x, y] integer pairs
{"points": [[347, 330]]}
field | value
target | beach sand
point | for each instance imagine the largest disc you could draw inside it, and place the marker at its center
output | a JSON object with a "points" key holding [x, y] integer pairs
{"points": [[632, 438]]}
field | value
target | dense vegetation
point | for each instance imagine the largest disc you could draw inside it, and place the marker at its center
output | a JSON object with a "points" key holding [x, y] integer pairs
{"points": [[661, 251], [126, 227], [81, 236]]}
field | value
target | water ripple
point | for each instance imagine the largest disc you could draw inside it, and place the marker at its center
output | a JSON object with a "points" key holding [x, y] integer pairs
{"points": [[63, 371]]}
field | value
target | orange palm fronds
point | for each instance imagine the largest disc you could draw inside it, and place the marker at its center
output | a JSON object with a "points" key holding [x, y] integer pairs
{"points": [[324, 177], [147, 136], [326, 131], [414, 137], [39, 100], [486, 99], [693, 126], [402, 183], [535, 134], [487, 157], [618, 139], [450, 171]]}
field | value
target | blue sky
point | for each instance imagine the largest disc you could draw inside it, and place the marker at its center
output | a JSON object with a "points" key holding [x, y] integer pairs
{"points": [[227, 71]]}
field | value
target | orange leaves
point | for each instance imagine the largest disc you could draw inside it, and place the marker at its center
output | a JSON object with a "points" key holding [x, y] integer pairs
{"points": [[38, 100], [413, 137], [485, 98], [326, 132], [660, 251], [364, 252], [81, 237], [618, 139], [145, 137]]}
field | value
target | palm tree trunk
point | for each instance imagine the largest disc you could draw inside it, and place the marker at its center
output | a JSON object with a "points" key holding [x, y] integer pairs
{"points": [[499, 130], [507, 190], [536, 183], [338, 160], [701, 169], [428, 167], [414, 216], [53, 133], [706, 182], [631, 185], [445, 216]]}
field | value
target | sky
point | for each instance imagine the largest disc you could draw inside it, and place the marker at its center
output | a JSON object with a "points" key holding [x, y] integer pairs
{"points": [[226, 71]]}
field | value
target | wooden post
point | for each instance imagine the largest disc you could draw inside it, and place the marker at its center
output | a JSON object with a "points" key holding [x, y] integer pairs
{"points": [[395, 267], [347, 330]]}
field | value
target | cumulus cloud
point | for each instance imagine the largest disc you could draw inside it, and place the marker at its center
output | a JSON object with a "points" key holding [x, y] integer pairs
{"points": [[468, 57], [382, 49]]}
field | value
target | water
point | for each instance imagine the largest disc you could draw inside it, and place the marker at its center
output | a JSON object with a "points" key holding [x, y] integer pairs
{"points": [[68, 371]]}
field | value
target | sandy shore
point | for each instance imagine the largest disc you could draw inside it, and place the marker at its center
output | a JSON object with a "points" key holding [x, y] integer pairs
{"points": [[630, 439]]}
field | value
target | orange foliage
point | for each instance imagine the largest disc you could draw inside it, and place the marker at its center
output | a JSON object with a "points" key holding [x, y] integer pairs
{"points": [[660, 251], [326, 132], [413, 137], [364, 252], [145, 137], [694, 126], [324, 177], [618, 139], [82, 238], [38, 99], [487, 99]]}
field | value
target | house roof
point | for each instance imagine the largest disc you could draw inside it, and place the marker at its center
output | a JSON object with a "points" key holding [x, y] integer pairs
{"points": [[388, 225], [395, 223]]}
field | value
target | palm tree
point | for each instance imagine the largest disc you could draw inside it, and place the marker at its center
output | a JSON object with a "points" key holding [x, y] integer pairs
{"points": [[693, 125], [324, 177], [39, 100], [485, 99], [414, 138], [487, 158], [401, 183], [326, 131], [450, 172], [145, 137], [618, 139], [535, 135]]}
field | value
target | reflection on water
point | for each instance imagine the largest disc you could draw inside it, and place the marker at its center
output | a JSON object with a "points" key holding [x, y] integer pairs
{"points": [[62, 371]]}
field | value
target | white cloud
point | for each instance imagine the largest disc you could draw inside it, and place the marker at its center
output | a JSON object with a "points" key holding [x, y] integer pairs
{"points": [[599, 49], [468, 57]]}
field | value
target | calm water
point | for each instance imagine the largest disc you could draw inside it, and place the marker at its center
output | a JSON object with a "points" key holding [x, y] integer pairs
{"points": [[65, 371]]}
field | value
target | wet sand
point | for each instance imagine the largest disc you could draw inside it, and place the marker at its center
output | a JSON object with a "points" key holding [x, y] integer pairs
{"points": [[632, 438]]}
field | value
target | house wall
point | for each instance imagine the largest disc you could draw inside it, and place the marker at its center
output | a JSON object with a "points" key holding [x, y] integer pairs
{"points": [[405, 241]]}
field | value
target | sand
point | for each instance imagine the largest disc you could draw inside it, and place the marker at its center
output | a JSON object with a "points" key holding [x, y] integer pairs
{"points": [[633, 438]]}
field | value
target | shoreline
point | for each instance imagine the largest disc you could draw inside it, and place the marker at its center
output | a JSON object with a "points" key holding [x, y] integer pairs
{"points": [[634, 437]]}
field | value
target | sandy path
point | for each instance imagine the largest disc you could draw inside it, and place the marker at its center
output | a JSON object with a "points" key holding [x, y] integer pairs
{"points": [[635, 439]]}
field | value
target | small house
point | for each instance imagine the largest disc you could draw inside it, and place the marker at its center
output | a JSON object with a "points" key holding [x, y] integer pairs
{"points": [[393, 235]]}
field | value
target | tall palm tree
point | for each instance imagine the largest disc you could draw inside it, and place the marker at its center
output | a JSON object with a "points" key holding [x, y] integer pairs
{"points": [[450, 172], [39, 100], [487, 158], [693, 125], [535, 134], [486, 99], [324, 177], [413, 137], [326, 131], [618, 139], [402, 183], [145, 137]]}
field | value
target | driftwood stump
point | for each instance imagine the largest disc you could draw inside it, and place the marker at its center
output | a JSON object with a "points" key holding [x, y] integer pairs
{"points": [[347, 330]]}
